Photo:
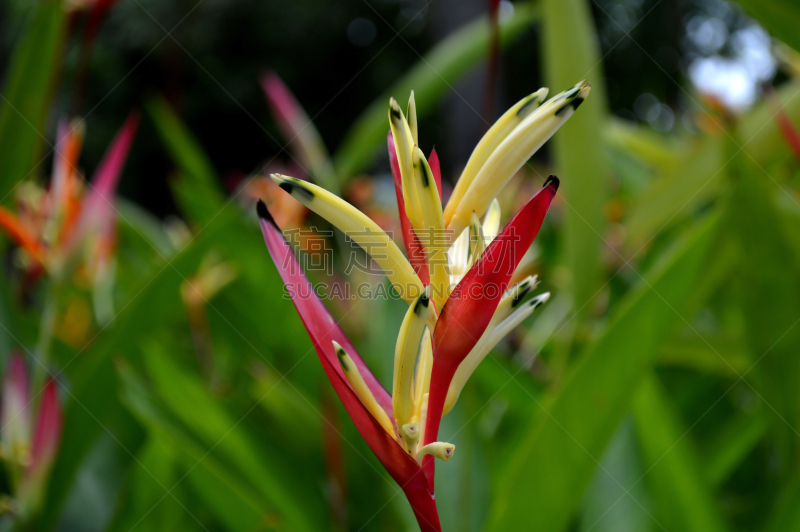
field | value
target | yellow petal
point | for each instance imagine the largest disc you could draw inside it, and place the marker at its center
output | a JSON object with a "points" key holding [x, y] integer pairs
{"points": [[403, 145], [477, 243], [412, 118], [496, 134], [359, 228], [405, 357], [432, 235], [512, 154], [491, 223], [361, 389], [422, 378]]}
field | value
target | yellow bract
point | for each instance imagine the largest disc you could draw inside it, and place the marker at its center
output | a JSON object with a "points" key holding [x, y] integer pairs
{"points": [[510, 155], [361, 389], [360, 229]]}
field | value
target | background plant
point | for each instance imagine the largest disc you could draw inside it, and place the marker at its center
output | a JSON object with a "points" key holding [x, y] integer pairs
{"points": [[657, 389]]}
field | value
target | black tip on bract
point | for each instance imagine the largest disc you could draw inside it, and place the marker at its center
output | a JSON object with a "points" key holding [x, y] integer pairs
{"points": [[340, 353], [264, 214], [552, 180], [422, 303]]}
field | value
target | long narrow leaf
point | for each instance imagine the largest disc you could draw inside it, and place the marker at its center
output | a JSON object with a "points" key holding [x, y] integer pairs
{"points": [[26, 95], [549, 471], [572, 53], [673, 468]]}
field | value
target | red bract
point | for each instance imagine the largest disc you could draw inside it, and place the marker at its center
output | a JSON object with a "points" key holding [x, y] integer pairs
{"points": [[322, 329], [474, 301], [414, 249]]}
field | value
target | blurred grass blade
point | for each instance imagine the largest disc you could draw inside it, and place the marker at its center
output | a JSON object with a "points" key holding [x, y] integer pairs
{"points": [[145, 506], [234, 503], [693, 179], [684, 502], [430, 79], [730, 445], [779, 17], [24, 101], [571, 54], [616, 501], [770, 297], [786, 515], [695, 171], [549, 471], [720, 355], [187, 398], [198, 190]]}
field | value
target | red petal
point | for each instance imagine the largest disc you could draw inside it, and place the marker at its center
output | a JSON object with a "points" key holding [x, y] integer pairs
{"points": [[323, 330], [282, 103], [473, 302], [47, 437], [414, 249], [97, 208], [433, 162]]}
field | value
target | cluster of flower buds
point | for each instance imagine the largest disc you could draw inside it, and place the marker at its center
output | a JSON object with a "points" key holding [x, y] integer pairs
{"points": [[67, 227], [30, 436]]}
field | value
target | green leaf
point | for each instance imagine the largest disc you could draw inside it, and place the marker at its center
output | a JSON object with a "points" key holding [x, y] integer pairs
{"points": [[147, 504], [710, 354], [692, 179], [731, 444], [571, 54], [616, 501], [24, 104], [430, 79], [231, 500], [188, 400], [759, 132], [548, 472], [779, 17], [683, 499], [197, 188], [770, 298], [786, 515]]}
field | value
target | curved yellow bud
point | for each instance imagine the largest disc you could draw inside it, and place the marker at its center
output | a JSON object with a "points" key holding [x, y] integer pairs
{"points": [[361, 389], [496, 134], [431, 235], [359, 228], [405, 357], [511, 154], [441, 450], [404, 145]]}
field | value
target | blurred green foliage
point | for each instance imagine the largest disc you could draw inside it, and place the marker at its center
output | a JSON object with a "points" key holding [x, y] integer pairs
{"points": [[658, 390]]}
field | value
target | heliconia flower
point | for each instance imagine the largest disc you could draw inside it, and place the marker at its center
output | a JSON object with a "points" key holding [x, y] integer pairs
{"points": [[52, 226], [29, 447], [456, 280]]}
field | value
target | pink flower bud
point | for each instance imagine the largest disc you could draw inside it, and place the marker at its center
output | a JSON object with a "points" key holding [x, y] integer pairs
{"points": [[15, 416]]}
